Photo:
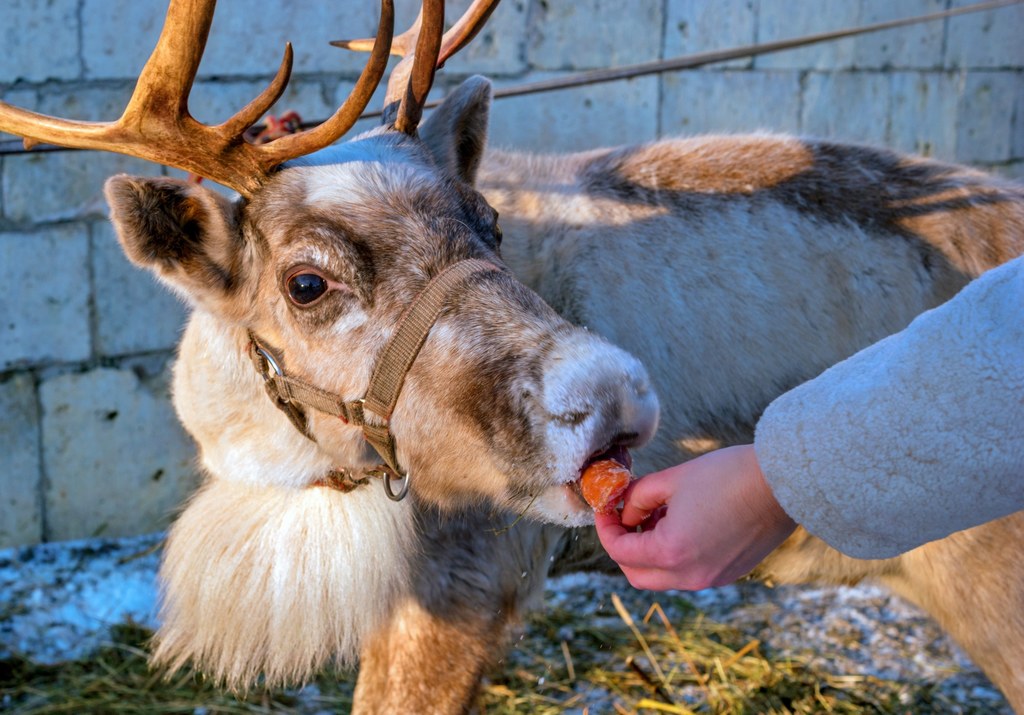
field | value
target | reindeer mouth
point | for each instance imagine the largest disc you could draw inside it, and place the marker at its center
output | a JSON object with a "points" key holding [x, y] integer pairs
{"points": [[617, 452], [563, 503]]}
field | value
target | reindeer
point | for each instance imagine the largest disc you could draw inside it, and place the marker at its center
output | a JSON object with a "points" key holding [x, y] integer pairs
{"points": [[380, 384]]}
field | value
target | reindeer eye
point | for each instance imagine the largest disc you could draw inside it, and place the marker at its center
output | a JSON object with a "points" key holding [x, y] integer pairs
{"points": [[306, 288]]}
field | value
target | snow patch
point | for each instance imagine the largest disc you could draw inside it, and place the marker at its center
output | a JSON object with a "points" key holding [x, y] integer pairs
{"points": [[59, 600]]}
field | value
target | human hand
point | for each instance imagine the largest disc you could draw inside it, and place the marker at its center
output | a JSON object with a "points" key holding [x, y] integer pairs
{"points": [[705, 522]]}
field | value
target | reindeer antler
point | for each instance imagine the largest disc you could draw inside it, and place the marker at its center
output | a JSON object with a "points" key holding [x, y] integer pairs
{"points": [[157, 126], [422, 54]]}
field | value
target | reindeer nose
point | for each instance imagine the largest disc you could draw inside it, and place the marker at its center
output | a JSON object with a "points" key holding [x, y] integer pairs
{"points": [[600, 393]]}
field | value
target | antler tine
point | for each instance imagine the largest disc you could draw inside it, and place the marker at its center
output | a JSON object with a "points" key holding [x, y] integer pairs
{"points": [[406, 45], [463, 31], [163, 86], [157, 126], [295, 145], [421, 72], [401, 45], [251, 113], [455, 39], [166, 79]]}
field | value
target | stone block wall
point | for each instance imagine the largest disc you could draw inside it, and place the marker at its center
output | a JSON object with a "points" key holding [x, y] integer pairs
{"points": [[88, 440]]}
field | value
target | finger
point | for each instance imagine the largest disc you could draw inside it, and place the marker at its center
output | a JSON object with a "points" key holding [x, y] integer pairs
{"points": [[652, 579], [627, 547], [609, 530], [652, 520], [608, 523], [611, 534], [644, 496], [661, 579]]}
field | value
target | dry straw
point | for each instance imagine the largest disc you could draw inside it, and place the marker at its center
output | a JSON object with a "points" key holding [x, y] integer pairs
{"points": [[566, 661]]}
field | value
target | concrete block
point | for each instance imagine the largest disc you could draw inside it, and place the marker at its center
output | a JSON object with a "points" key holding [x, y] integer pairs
{"points": [[911, 47], [242, 43], [594, 33], [610, 114], [699, 26], [109, 49], [914, 46], [499, 48], [992, 39], [133, 312], [44, 296], [847, 106], [117, 461], [922, 113], [730, 101], [61, 186], [985, 116], [21, 516], [781, 20], [247, 42], [40, 40]]}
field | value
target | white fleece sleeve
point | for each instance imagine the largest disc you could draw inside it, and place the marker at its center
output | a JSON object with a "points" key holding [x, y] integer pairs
{"points": [[913, 438]]}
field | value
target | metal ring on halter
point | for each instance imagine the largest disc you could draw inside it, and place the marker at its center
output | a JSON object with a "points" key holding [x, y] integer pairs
{"points": [[388, 475], [265, 354]]}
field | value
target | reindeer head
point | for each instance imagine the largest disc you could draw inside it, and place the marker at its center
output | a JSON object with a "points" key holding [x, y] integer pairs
{"points": [[327, 248]]}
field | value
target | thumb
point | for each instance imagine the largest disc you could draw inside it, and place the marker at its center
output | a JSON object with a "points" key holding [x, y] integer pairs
{"points": [[645, 496]]}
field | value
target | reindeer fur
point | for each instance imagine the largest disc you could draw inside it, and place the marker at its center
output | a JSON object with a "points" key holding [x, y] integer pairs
{"points": [[734, 267]]}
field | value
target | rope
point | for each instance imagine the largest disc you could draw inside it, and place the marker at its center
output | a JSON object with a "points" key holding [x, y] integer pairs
{"points": [[699, 59]]}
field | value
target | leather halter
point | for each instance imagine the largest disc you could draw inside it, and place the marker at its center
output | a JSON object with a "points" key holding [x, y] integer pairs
{"points": [[373, 411]]}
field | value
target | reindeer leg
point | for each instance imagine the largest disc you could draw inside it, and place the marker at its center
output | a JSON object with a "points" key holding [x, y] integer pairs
{"points": [[476, 578], [423, 662]]}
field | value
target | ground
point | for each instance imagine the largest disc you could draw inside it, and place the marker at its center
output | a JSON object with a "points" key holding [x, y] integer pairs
{"points": [[74, 619]]}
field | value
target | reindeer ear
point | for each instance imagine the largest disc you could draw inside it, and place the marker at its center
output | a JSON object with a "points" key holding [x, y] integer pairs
{"points": [[456, 132], [183, 232]]}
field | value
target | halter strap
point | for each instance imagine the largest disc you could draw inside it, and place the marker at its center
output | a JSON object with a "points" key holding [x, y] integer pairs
{"points": [[393, 363]]}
